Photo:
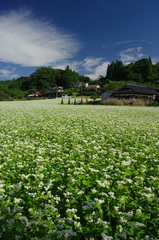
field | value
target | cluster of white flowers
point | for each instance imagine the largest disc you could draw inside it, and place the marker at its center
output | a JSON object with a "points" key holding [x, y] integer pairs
{"points": [[88, 205], [66, 234], [71, 171]]}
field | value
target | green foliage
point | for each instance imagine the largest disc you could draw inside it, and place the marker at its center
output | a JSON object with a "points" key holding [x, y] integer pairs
{"points": [[94, 95], [68, 78], [12, 95], [69, 101], [141, 71], [113, 85], [44, 78], [41, 80], [84, 79], [154, 104], [16, 94], [145, 70], [114, 71], [75, 102], [61, 100], [5, 97]]}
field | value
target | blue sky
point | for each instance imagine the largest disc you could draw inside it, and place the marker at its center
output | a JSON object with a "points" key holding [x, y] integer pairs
{"points": [[87, 35]]}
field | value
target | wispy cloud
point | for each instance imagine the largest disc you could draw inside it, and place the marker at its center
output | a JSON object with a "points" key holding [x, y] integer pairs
{"points": [[131, 54], [103, 3], [93, 67], [128, 42], [29, 41], [8, 73], [74, 65]]}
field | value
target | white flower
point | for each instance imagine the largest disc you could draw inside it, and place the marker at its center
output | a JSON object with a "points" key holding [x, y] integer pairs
{"points": [[99, 201], [80, 192], [72, 210], [105, 237], [148, 195], [103, 183], [17, 200], [88, 205], [24, 219], [137, 225], [111, 194], [93, 190], [17, 237]]}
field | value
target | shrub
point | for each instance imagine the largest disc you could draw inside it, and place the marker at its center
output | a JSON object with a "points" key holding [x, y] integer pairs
{"points": [[154, 104], [127, 102]]}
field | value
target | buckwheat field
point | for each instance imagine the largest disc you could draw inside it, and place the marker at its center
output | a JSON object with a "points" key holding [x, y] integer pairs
{"points": [[82, 172]]}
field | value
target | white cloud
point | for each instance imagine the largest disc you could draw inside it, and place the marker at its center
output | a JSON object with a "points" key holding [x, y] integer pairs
{"points": [[74, 65], [8, 73], [97, 66], [28, 41], [131, 54], [89, 63], [155, 60], [94, 66]]}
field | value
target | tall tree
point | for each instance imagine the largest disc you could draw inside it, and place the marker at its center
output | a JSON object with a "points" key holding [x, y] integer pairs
{"points": [[110, 71], [144, 68], [43, 78], [115, 71], [69, 77]]}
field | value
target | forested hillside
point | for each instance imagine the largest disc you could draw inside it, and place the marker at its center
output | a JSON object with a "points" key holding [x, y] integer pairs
{"points": [[142, 71], [41, 80], [45, 78]]}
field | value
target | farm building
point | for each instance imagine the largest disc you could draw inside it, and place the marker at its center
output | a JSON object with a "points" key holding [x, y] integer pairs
{"points": [[80, 84], [54, 92], [93, 87], [132, 91], [35, 94], [106, 95]]}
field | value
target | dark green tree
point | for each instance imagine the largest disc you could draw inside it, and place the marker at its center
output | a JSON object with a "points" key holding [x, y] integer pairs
{"points": [[43, 78], [156, 69], [68, 78], [115, 71], [144, 70], [84, 79], [95, 95], [110, 71]]}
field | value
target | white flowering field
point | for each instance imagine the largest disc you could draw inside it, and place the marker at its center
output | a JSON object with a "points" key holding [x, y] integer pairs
{"points": [[78, 172]]}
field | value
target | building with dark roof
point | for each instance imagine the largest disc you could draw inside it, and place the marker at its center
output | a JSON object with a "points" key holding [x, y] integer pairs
{"points": [[132, 90]]}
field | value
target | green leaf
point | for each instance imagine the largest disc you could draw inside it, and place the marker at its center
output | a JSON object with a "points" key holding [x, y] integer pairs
{"points": [[12, 175]]}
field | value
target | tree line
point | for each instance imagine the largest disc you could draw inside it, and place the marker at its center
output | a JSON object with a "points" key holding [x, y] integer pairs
{"points": [[142, 71], [41, 80], [45, 78]]}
